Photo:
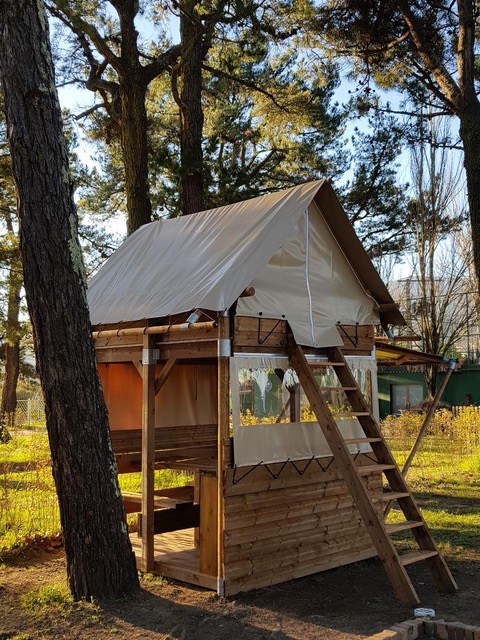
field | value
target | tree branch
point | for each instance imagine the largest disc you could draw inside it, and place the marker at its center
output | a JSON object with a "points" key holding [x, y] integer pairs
{"points": [[451, 92], [244, 83]]}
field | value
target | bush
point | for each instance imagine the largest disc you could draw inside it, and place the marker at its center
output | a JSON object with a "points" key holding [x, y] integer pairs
{"points": [[464, 427]]}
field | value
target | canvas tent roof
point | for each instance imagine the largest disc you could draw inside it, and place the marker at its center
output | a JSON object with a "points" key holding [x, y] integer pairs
{"points": [[207, 259]]}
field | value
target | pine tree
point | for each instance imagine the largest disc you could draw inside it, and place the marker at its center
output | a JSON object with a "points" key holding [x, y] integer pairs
{"points": [[100, 562]]}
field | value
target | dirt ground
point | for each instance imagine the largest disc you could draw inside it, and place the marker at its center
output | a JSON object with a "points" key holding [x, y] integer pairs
{"points": [[342, 604]]}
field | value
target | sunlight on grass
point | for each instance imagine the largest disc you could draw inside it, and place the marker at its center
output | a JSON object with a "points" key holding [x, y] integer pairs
{"points": [[28, 502], [54, 596]]}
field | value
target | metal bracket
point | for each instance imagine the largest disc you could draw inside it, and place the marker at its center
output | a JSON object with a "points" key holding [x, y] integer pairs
{"points": [[224, 348], [150, 356], [261, 340], [354, 340]]}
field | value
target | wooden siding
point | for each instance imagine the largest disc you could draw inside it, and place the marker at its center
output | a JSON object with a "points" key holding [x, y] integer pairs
{"points": [[171, 445], [267, 335], [292, 526]]}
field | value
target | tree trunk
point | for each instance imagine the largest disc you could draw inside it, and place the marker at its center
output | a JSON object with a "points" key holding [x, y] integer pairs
{"points": [[12, 347], [470, 135], [133, 90], [135, 153], [191, 112], [100, 562]]}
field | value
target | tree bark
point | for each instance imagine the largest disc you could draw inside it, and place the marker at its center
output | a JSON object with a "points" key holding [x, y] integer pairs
{"points": [[135, 154], [133, 90], [12, 347], [191, 111], [470, 135], [100, 562]]}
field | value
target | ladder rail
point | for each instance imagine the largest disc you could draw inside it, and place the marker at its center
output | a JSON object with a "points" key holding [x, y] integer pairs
{"points": [[398, 484], [400, 580], [352, 475]]}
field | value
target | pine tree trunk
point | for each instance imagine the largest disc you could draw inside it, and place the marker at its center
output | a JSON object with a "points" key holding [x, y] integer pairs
{"points": [[135, 154], [12, 347], [470, 135], [100, 562], [133, 89], [191, 111]]}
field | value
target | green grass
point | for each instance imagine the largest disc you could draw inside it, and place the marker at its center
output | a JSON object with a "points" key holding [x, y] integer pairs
{"points": [[44, 599], [445, 480], [29, 509]]}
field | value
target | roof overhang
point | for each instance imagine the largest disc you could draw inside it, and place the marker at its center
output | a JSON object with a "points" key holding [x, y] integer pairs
{"points": [[392, 355]]}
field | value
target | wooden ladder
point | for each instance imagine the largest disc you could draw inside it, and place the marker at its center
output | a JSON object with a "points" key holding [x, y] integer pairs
{"points": [[372, 516]]}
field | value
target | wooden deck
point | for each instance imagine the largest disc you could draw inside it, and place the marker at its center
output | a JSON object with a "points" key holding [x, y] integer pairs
{"points": [[175, 556]]}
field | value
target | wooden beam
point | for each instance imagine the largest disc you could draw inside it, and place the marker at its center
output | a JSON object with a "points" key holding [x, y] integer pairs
{"points": [[224, 352], [139, 367], [164, 328], [248, 292], [148, 458], [164, 373], [208, 537]]}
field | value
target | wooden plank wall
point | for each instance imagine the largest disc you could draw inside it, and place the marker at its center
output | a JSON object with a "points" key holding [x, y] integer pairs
{"points": [[357, 340], [277, 530], [267, 335], [199, 441]]}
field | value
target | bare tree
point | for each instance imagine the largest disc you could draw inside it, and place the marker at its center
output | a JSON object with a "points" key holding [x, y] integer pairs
{"points": [[434, 295]]}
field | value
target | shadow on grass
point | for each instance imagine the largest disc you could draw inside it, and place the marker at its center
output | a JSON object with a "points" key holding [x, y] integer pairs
{"points": [[452, 504]]}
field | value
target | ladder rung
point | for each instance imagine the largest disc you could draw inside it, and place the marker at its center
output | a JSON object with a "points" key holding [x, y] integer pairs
{"points": [[386, 496], [371, 468], [417, 556], [325, 363], [403, 526], [361, 440], [338, 388], [349, 414]]}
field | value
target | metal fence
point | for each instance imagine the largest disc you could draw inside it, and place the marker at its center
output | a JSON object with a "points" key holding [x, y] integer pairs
{"points": [[29, 412], [457, 411]]}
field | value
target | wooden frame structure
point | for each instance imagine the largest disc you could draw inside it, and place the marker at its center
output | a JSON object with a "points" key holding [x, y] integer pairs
{"points": [[259, 525], [282, 280]]}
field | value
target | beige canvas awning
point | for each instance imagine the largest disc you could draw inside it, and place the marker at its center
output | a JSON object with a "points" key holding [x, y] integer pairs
{"points": [[296, 247]]}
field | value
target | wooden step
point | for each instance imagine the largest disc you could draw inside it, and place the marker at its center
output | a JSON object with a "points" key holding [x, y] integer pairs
{"points": [[324, 363], [403, 526], [361, 440], [417, 556], [371, 468], [349, 414], [390, 495], [337, 388]]}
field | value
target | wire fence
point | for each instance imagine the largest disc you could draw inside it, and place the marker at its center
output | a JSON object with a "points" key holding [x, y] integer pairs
{"points": [[30, 412], [449, 449]]}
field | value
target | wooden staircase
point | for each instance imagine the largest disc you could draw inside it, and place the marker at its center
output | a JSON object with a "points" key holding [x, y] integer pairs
{"points": [[367, 504]]}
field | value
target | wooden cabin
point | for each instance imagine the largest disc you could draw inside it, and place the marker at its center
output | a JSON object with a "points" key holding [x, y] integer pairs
{"points": [[237, 345]]}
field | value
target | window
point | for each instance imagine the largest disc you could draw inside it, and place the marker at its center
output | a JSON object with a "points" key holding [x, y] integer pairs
{"points": [[404, 397]]}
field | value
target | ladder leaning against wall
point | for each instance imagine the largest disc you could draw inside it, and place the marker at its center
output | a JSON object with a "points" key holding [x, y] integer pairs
{"points": [[368, 504]]}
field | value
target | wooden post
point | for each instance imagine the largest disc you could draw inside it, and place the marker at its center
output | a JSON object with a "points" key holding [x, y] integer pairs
{"points": [[148, 452], [224, 352], [295, 404]]}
